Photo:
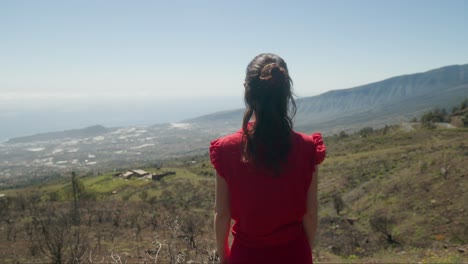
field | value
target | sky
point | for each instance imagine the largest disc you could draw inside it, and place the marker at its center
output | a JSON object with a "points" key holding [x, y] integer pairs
{"points": [[103, 50]]}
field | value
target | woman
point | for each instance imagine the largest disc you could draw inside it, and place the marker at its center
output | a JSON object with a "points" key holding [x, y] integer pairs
{"points": [[266, 175]]}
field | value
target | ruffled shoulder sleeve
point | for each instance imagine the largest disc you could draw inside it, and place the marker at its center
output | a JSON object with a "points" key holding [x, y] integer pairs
{"points": [[320, 148], [216, 156]]}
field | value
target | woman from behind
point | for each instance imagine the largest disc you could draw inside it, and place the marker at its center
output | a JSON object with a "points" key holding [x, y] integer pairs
{"points": [[266, 175]]}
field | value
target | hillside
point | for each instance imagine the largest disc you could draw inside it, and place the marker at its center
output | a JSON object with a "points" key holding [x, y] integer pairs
{"points": [[412, 181], [403, 200], [390, 101]]}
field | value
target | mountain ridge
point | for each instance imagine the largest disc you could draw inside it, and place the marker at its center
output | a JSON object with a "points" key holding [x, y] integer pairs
{"points": [[388, 101], [94, 130]]}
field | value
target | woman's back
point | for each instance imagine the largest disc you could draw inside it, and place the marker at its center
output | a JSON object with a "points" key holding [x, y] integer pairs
{"points": [[265, 174], [267, 210]]}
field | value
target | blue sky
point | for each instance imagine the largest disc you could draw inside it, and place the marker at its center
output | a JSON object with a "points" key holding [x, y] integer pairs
{"points": [[55, 50]]}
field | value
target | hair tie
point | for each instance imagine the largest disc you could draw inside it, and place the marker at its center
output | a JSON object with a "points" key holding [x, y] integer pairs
{"points": [[266, 71], [273, 74]]}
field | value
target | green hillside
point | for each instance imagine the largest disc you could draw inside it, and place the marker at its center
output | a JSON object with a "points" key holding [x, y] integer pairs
{"points": [[412, 183], [385, 196]]}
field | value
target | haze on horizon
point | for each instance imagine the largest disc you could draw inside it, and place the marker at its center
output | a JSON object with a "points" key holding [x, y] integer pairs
{"points": [[81, 53]]}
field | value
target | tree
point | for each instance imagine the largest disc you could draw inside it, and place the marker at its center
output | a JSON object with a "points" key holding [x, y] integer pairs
{"points": [[465, 120], [366, 131], [191, 228], [464, 104], [338, 203], [5, 208], [382, 223], [57, 237], [78, 190], [342, 134], [143, 195], [429, 118], [54, 196]]}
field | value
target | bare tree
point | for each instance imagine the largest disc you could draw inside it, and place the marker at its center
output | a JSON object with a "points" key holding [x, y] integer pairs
{"points": [[382, 223], [338, 203], [191, 228], [11, 230], [154, 254], [48, 235], [76, 206], [54, 234], [78, 244], [116, 258]]}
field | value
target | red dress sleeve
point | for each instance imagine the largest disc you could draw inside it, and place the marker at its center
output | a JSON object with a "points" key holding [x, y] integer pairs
{"points": [[216, 157], [316, 152], [320, 148]]}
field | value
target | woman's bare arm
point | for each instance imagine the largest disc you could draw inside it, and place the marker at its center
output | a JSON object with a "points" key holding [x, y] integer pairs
{"points": [[310, 217], [222, 218]]}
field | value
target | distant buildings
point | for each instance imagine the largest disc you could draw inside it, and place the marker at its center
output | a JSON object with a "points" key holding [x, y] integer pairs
{"points": [[142, 174], [134, 173]]}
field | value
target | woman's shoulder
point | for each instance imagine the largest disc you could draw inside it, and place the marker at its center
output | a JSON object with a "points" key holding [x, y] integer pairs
{"points": [[226, 144], [223, 148], [315, 138], [312, 143], [228, 140]]}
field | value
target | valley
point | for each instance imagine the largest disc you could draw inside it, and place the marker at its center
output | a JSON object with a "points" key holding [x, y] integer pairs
{"points": [[45, 155], [386, 196]]}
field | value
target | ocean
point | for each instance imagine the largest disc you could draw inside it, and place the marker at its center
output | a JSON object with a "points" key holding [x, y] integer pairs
{"points": [[27, 118]]}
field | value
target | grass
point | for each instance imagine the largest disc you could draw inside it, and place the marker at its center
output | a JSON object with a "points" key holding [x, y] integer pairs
{"points": [[397, 175]]}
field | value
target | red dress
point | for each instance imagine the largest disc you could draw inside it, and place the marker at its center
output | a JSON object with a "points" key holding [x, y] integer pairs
{"points": [[268, 211]]}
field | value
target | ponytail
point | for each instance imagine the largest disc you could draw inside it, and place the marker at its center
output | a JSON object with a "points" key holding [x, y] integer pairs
{"points": [[267, 141]]}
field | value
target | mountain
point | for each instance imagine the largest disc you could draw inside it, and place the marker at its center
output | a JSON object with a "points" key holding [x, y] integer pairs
{"points": [[376, 104]]}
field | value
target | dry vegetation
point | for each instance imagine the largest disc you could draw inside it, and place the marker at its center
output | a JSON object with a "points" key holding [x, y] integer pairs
{"points": [[400, 192], [167, 221], [385, 196]]}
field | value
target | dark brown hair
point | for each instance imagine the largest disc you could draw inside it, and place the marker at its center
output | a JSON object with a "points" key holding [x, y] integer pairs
{"points": [[267, 142]]}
